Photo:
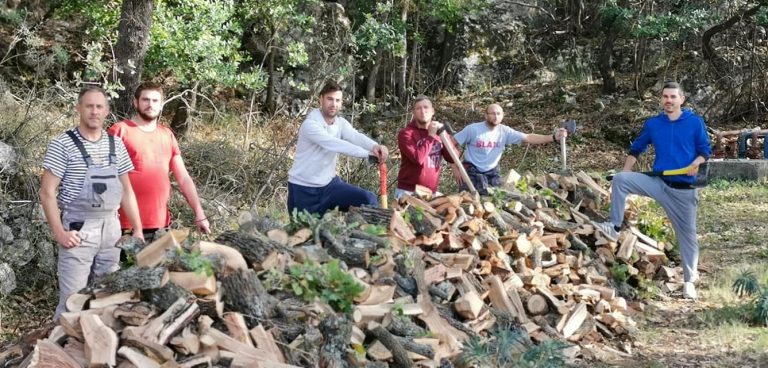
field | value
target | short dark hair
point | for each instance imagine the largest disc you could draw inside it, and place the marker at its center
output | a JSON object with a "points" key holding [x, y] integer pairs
{"points": [[330, 87], [673, 85], [420, 98], [91, 88], [149, 86]]}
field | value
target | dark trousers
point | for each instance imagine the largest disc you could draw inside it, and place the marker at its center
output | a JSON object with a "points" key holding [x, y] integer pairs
{"points": [[150, 235], [321, 199], [482, 180]]}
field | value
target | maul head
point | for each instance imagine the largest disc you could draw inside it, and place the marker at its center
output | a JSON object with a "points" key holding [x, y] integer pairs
{"points": [[569, 125]]}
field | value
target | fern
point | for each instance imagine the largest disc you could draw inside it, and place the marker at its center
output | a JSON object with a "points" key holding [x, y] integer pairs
{"points": [[745, 284], [546, 355], [761, 308]]}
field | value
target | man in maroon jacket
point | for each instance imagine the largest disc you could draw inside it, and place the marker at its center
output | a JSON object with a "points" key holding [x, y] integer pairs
{"points": [[420, 148]]}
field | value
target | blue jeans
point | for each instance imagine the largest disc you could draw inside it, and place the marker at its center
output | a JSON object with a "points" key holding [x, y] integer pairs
{"points": [[337, 193], [482, 180]]}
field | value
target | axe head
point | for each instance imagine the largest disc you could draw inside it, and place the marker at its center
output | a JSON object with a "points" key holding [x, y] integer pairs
{"points": [[446, 128], [373, 160], [569, 125], [702, 177]]}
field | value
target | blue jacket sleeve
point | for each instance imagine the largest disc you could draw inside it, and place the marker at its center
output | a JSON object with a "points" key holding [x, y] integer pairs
{"points": [[703, 148], [640, 144]]}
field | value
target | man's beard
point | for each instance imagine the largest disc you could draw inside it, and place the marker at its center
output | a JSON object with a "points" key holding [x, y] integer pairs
{"points": [[146, 116]]}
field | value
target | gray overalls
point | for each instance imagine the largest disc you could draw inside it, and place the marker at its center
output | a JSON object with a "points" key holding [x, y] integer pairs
{"points": [[94, 214]]}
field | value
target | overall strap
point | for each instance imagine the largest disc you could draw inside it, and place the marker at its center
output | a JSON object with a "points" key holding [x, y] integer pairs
{"points": [[112, 155], [80, 147]]}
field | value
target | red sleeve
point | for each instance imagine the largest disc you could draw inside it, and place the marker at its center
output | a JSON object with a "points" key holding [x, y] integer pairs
{"points": [[413, 148], [116, 130], [175, 150]]}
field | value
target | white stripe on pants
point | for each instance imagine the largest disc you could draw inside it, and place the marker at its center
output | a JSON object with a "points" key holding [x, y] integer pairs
{"points": [[95, 256], [679, 204]]}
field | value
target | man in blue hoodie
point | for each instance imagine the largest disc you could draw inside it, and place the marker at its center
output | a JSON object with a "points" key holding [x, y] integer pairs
{"points": [[679, 138]]}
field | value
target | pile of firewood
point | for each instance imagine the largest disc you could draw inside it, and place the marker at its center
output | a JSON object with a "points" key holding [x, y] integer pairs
{"points": [[434, 272]]}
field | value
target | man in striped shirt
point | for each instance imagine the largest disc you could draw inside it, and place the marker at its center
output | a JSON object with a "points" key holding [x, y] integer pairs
{"points": [[89, 169]]}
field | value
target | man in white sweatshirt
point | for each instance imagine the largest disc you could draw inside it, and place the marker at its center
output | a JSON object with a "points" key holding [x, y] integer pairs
{"points": [[312, 181]]}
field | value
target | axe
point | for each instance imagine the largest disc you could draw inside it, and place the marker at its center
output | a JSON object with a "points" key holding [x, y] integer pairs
{"points": [[448, 144], [570, 127], [382, 179], [702, 176]]}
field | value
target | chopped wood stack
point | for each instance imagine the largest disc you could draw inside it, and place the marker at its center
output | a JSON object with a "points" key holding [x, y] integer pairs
{"points": [[445, 269]]}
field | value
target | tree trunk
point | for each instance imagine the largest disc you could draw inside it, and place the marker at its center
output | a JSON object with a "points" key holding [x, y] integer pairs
{"points": [[403, 72], [370, 83], [271, 102], [604, 61], [131, 48], [706, 38]]}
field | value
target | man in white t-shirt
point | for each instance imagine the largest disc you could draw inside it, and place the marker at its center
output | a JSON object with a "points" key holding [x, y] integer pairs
{"points": [[312, 181], [485, 142]]}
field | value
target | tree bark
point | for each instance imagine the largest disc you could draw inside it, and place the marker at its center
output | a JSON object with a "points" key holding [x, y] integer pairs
{"points": [[130, 50], [604, 60], [706, 38]]}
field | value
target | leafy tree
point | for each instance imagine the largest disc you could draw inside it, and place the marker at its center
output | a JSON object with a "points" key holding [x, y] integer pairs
{"points": [[274, 32]]}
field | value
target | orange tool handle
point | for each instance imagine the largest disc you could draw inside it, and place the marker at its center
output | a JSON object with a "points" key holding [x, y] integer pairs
{"points": [[383, 184]]}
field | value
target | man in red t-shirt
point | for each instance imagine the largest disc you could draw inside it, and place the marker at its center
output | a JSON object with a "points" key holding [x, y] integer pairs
{"points": [[155, 152], [420, 148]]}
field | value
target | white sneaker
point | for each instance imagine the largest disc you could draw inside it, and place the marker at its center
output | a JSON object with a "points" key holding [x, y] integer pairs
{"points": [[695, 278], [607, 229], [689, 291]]}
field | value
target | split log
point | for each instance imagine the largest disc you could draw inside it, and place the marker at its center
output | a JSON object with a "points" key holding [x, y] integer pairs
{"points": [[353, 257], [232, 259], [149, 348], [76, 302], [246, 355], [197, 283], [244, 293], [254, 247], [575, 319], [137, 358], [48, 354], [133, 278], [265, 340], [187, 342], [336, 332], [195, 361], [135, 314], [112, 299], [155, 253], [236, 327], [627, 248], [300, 236], [100, 341], [172, 321], [469, 305], [556, 304], [507, 301]]}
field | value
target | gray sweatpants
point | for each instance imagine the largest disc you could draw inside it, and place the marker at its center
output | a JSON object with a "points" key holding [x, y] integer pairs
{"points": [[94, 257], [679, 204]]}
